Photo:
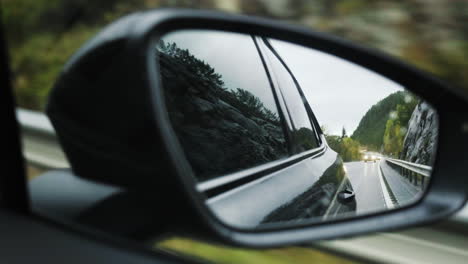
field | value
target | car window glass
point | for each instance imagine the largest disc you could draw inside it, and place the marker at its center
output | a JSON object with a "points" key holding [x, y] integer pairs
{"points": [[220, 101], [302, 133]]}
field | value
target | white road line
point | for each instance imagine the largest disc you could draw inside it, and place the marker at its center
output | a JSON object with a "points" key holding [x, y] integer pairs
{"points": [[388, 201]]}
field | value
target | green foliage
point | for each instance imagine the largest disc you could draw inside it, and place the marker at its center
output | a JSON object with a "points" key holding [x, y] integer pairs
{"points": [[38, 62], [241, 99], [385, 124], [334, 142], [43, 34], [430, 35], [350, 149], [305, 138], [397, 126], [346, 147], [193, 64], [249, 104], [371, 128], [393, 138], [216, 253], [24, 17]]}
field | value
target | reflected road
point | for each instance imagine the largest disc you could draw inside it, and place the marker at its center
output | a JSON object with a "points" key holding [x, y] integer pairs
{"points": [[366, 181], [379, 187]]}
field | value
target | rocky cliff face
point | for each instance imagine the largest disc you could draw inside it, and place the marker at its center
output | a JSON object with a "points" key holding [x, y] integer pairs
{"points": [[219, 131], [420, 142]]}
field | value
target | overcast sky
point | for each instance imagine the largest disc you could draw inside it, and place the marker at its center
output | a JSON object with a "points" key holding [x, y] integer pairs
{"points": [[339, 92], [232, 55]]}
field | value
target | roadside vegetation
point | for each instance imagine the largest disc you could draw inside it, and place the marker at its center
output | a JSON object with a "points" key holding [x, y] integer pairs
{"points": [[215, 253], [396, 126], [371, 128], [346, 147], [384, 126], [382, 129]]}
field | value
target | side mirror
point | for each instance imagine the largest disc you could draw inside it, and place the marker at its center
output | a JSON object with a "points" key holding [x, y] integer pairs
{"points": [[264, 134]]}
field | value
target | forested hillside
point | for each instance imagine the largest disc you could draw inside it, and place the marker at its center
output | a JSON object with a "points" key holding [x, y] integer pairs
{"points": [[371, 128], [384, 126], [396, 126]]}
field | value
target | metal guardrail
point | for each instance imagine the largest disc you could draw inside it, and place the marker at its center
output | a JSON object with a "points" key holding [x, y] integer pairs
{"points": [[415, 173], [40, 145]]}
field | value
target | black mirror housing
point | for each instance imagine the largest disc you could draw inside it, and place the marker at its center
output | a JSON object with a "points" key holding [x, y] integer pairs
{"points": [[110, 116]]}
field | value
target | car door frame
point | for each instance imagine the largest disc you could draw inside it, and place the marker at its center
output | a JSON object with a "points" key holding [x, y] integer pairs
{"points": [[316, 154], [224, 183], [313, 120], [345, 184]]}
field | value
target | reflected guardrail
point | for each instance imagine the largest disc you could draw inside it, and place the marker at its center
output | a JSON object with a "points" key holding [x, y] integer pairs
{"points": [[415, 173]]}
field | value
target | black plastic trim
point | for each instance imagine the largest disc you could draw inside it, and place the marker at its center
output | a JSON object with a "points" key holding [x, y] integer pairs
{"points": [[13, 192]]}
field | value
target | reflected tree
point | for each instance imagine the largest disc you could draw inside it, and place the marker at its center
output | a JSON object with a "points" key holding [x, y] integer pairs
{"points": [[221, 130], [397, 126]]}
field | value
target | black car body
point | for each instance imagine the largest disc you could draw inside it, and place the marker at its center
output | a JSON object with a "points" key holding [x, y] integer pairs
{"points": [[305, 173]]}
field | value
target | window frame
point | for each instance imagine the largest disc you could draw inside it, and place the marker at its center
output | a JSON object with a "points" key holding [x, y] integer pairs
{"points": [[252, 44], [229, 181], [313, 121]]}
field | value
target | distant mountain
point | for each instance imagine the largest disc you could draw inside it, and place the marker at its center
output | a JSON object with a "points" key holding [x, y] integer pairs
{"points": [[371, 128]]}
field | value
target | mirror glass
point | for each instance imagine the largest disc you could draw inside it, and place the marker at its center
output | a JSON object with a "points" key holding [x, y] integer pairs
{"points": [[280, 134]]}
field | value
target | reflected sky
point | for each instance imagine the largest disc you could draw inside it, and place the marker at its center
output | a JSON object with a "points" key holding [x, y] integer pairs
{"points": [[339, 92], [231, 55]]}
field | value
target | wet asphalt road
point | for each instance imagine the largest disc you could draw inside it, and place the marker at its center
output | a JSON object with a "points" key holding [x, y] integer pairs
{"points": [[364, 177]]}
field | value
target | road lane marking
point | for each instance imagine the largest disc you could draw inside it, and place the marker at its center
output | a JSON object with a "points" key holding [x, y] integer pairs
{"points": [[386, 194]]}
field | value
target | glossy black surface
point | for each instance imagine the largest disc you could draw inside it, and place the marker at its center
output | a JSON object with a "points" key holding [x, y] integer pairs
{"points": [[225, 117], [232, 113]]}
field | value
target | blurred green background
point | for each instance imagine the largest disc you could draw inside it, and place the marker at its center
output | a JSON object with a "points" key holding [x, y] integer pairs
{"points": [[224, 254], [431, 34]]}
